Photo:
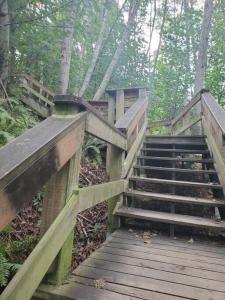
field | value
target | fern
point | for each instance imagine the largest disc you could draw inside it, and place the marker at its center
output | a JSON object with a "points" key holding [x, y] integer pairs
{"points": [[6, 269]]}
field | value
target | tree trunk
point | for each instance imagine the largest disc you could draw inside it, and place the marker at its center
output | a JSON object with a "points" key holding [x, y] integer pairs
{"points": [[132, 14], [4, 41], [67, 48], [160, 36], [187, 52], [151, 28], [203, 46], [96, 52]]}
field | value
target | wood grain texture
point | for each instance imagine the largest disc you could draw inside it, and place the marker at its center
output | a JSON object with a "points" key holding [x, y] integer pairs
{"points": [[170, 218]]}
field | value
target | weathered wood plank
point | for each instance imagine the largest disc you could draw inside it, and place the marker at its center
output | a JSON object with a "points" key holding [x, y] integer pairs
{"points": [[92, 195], [127, 290], [176, 170], [35, 93], [151, 264], [163, 257], [73, 289], [132, 115], [36, 83], [170, 218], [176, 159], [216, 110], [187, 126], [146, 196], [124, 267], [41, 152], [133, 152], [104, 131], [162, 245], [188, 107], [149, 284], [39, 108], [157, 249], [30, 274], [180, 243]]}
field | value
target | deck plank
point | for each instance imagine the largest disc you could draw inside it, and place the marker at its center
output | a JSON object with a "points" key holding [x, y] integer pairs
{"points": [[163, 269], [123, 266], [149, 284]]}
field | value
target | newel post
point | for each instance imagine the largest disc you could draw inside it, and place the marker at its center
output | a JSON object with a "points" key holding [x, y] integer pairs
{"points": [[59, 188]]}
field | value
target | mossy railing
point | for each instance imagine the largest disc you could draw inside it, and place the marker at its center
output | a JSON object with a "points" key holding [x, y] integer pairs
{"points": [[49, 155]]}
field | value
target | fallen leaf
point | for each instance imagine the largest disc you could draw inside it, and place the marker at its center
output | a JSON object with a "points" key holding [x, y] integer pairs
{"points": [[99, 283], [147, 242]]}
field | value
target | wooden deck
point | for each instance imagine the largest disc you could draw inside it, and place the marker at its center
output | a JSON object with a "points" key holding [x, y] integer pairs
{"points": [[128, 266]]}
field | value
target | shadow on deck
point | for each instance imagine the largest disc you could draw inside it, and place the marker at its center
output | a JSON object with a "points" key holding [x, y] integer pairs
{"points": [[157, 268]]}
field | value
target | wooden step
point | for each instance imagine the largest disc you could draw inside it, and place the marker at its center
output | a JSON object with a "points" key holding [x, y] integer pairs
{"points": [[170, 218], [174, 142], [175, 139], [176, 136], [176, 182], [176, 159], [176, 170], [173, 198], [187, 151]]}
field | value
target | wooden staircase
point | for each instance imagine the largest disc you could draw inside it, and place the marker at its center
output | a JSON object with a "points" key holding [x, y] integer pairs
{"points": [[170, 173]]}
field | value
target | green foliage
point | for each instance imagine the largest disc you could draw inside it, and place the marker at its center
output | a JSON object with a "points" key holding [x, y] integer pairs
{"points": [[91, 149], [6, 269], [18, 250], [14, 120]]}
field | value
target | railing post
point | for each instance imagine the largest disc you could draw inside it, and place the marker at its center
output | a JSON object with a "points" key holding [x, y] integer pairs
{"points": [[115, 156], [57, 192], [115, 160]]}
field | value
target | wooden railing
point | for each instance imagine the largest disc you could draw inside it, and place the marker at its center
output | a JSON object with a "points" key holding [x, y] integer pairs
{"points": [[210, 116], [49, 155]]}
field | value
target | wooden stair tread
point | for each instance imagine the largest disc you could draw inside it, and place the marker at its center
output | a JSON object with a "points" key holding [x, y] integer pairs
{"points": [[196, 151], [176, 182], [174, 198], [179, 170], [176, 136], [166, 142], [170, 218], [199, 160]]}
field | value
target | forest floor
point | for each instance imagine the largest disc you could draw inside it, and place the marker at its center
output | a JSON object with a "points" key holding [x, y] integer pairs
{"points": [[90, 231]]}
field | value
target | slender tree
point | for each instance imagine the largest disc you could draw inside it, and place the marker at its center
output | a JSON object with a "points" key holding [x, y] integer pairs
{"points": [[96, 52], [160, 34], [134, 5], [4, 41], [67, 44], [203, 46]]}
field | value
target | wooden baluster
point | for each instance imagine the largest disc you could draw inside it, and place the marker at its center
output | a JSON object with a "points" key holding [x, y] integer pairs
{"points": [[57, 192]]}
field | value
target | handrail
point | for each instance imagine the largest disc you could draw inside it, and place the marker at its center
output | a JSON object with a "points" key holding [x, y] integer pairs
{"points": [[30, 160], [187, 108], [217, 111], [133, 120], [36, 83], [50, 154]]}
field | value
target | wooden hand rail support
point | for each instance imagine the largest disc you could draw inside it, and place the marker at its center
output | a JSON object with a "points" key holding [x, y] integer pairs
{"points": [[30, 274], [36, 83], [133, 152], [213, 122], [40, 152], [187, 108], [132, 121]]}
